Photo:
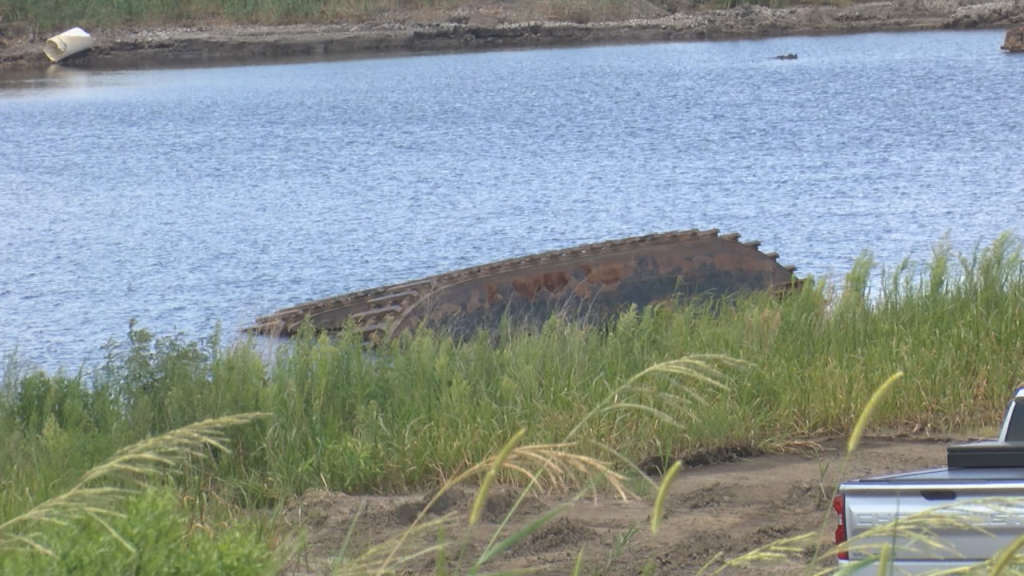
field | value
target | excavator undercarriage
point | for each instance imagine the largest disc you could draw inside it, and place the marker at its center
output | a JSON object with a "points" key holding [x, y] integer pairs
{"points": [[589, 282]]}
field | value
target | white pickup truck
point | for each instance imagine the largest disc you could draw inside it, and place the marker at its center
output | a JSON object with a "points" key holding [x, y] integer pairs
{"points": [[940, 519]]}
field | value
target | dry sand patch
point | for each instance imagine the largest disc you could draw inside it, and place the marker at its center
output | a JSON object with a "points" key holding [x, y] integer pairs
{"points": [[728, 507]]}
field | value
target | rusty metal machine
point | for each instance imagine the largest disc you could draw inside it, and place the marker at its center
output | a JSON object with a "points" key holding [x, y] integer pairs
{"points": [[1014, 41], [589, 282]]}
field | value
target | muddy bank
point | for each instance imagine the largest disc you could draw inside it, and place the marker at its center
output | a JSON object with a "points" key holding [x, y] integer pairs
{"points": [[497, 26]]}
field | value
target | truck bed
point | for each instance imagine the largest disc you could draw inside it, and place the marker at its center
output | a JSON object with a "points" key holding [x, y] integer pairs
{"points": [[967, 477]]}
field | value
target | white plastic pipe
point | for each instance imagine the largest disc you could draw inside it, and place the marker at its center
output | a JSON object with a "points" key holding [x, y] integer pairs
{"points": [[67, 43]]}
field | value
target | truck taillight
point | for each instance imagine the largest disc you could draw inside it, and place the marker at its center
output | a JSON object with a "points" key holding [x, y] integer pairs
{"points": [[839, 505]]}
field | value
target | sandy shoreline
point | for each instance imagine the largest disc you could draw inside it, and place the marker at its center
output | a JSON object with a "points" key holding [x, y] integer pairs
{"points": [[488, 27]]}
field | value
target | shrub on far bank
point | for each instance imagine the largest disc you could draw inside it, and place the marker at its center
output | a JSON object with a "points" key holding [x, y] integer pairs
{"points": [[57, 15]]}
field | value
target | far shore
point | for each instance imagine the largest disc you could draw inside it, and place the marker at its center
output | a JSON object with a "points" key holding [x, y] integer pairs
{"points": [[489, 27]]}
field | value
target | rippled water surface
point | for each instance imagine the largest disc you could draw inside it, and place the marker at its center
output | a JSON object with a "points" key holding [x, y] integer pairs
{"points": [[187, 197]]}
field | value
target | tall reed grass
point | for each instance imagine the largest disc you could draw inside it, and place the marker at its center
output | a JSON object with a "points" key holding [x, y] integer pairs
{"points": [[422, 408]]}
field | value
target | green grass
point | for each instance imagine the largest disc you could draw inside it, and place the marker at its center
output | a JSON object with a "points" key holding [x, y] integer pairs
{"points": [[59, 13], [124, 516], [155, 535], [423, 409]]}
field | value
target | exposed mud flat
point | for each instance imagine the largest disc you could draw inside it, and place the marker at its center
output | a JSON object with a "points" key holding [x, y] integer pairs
{"points": [[499, 25], [730, 507]]}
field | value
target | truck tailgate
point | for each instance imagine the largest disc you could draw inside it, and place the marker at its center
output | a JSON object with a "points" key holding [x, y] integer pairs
{"points": [[971, 513]]}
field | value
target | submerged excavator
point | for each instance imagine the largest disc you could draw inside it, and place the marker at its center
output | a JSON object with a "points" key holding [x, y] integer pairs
{"points": [[590, 283], [1014, 41]]}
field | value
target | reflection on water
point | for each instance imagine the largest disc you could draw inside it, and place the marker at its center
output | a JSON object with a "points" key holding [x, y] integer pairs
{"points": [[63, 78], [190, 196], [28, 83], [66, 76]]}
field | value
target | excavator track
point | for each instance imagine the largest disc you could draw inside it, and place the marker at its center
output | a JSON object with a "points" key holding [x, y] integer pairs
{"points": [[592, 282], [1014, 41]]}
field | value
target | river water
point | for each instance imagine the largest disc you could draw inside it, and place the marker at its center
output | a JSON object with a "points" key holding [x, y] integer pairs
{"points": [[188, 197]]}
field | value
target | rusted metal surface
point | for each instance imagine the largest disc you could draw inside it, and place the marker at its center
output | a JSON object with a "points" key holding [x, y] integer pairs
{"points": [[1014, 41], [589, 282]]}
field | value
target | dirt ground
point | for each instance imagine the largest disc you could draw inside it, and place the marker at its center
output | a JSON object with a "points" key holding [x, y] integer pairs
{"points": [[470, 25], [732, 506]]}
